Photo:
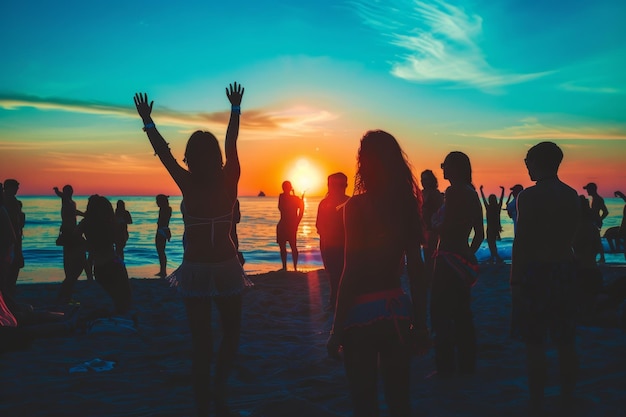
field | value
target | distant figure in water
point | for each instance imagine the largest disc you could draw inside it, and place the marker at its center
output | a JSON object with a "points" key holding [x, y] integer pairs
{"points": [[374, 317], [456, 269], [291, 211], [329, 224], [163, 233], [70, 237], [622, 227], [543, 273], [599, 211], [511, 204], [98, 226], [122, 220], [211, 271], [433, 200], [493, 207]]}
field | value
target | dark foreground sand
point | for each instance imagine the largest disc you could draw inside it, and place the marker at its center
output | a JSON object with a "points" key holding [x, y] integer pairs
{"points": [[282, 369]]}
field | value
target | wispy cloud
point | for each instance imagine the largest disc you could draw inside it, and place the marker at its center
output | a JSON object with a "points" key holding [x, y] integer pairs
{"points": [[291, 121], [441, 43], [532, 128], [590, 89]]}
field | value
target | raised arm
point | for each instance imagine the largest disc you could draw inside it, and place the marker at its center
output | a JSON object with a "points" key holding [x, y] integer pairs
{"points": [[234, 92], [57, 192], [161, 148], [620, 195], [482, 194], [501, 196]]}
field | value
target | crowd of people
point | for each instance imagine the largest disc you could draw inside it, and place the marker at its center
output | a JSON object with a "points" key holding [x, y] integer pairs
{"points": [[388, 229]]}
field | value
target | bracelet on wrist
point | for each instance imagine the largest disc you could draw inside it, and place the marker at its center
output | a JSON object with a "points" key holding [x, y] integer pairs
{"points": [[148, 126], [236, 109]]}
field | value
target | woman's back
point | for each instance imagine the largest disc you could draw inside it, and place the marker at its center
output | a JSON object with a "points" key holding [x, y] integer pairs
{"points": [[208, 219], [376, 250]]}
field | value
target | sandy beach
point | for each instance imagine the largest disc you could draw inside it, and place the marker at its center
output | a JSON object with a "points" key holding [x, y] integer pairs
{"points": [[283, 369]]}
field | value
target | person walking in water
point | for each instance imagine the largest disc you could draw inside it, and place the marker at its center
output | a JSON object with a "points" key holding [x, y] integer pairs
{"points": [[163, 233], [456, 269], [329, 224], [544, 286], [599, 211], [378, 325], [493, 208], [291, 209], [74, 248], [210, 271], [122, 220]]}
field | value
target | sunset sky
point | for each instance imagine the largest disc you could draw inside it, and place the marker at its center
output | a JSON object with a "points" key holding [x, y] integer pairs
{"points": [[489, 78]]}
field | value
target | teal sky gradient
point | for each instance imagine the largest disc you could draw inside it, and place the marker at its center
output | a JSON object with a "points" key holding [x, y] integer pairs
{"points": [[487, 78]]}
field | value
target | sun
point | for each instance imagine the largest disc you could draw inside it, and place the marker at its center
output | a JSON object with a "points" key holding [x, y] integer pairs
{"points": [[305, 177]]}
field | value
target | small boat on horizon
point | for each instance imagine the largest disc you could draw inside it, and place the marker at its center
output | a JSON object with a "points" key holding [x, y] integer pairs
{"points": [[261, 194]]}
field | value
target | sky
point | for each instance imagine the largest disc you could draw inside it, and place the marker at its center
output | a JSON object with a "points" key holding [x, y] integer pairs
{"points": [[487, 78]]}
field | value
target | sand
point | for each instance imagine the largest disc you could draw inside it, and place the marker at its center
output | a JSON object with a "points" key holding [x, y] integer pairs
{"points": [[282, 369]]}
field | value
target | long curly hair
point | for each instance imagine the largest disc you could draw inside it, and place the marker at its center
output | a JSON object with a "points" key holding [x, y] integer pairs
{"points": [[385, 174]]}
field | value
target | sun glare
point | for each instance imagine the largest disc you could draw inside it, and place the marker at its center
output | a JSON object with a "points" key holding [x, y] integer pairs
{"points": [[305, 177]]}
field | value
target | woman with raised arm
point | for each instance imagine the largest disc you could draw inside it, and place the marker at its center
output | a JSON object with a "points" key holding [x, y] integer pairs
{"points": [[210, 269], [373, 316], [493, 208]]}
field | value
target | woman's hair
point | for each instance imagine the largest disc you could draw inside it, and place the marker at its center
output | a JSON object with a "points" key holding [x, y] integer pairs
{"points": [[429, 181], [493, 199], [287, 187], [204, 156], [384, 173], [99, 220], [458, 167]]}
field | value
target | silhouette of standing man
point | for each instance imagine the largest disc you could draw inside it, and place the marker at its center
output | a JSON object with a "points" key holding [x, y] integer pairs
{"points": [[329, 225], [543, 274], [291, 211]]}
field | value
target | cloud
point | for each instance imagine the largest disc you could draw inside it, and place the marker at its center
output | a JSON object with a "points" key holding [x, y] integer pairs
{"points": [[593, 90], [440, 41], [291, 121], [531, 128]]}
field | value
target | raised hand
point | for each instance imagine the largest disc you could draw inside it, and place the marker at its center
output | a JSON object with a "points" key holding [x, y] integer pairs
{"points": [[143, 108], [234, 92]]}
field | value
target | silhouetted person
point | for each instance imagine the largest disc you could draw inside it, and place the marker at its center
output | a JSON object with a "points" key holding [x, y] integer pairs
{"points": [[13, 207], [433, 200], [211, 269], [622, 227], [122, 220], [7, 250], [586, 248], [291, 209], [599, 210], [456, 269], [233, 231], [109, 271], [543, 272], [493, 208], [163, 233], [329, 224], [373, 316], [511, 204], [70, 237]]}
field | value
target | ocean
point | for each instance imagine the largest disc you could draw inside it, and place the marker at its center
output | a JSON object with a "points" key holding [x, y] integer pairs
{"points": [[257, 236]]}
